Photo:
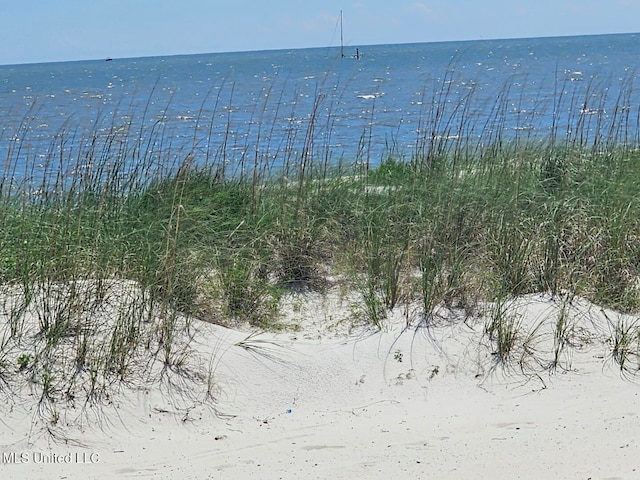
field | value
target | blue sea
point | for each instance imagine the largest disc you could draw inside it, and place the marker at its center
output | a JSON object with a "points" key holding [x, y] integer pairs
{"points": [[272, 106]]}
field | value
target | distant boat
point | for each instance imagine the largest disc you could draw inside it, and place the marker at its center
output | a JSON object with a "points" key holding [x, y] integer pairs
{"points": [[108, 59]]}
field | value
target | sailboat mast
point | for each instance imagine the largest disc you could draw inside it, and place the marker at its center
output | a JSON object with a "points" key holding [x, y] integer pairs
{"points": [[341, 37]]}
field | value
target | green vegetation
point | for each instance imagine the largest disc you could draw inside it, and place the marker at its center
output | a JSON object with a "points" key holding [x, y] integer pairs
{"points": [[109, 267]]}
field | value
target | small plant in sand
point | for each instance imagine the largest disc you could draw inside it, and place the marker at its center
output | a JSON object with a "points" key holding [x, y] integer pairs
{"points": [[503, 329], [24, 361], [372, 307], [562, 335], [398, 356], [625, 343]]}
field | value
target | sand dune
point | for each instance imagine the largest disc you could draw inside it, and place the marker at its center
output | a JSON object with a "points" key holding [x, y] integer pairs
{"points": [[333, 399]]}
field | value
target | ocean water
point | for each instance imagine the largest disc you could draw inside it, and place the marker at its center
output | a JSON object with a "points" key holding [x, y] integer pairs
{"points": [[272, 106]]}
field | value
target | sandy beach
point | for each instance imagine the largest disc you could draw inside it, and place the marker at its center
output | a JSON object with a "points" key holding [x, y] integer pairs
{"points": [[334, 399], [283, 265]]}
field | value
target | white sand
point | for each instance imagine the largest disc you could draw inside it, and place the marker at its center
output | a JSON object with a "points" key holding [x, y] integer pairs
{"points": [[328, 401]]}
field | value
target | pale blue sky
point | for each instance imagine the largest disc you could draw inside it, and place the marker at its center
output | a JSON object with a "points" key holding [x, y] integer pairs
{"points": [[59, 30]]}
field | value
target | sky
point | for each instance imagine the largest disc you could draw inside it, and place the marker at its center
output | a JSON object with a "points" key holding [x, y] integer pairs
{"points": [[33, 31]]}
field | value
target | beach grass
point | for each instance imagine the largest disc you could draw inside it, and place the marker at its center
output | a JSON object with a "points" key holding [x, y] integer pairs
{"points": [[106, 262]]}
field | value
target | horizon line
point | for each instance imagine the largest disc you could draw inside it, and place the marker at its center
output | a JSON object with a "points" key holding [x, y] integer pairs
{"points": [[222, 52]]}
